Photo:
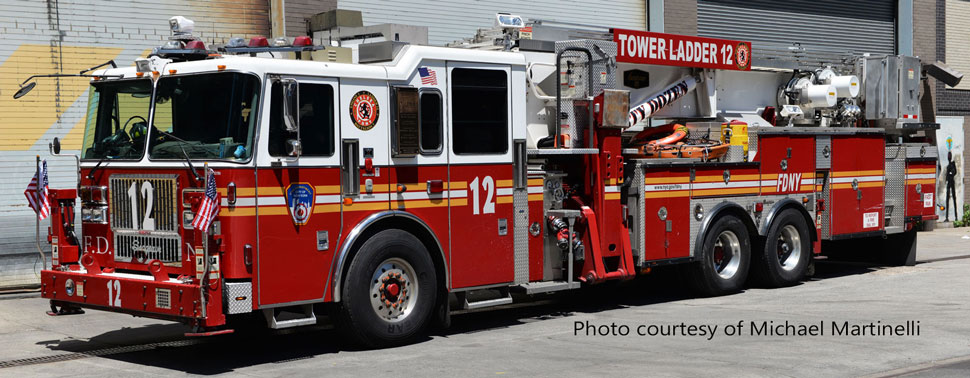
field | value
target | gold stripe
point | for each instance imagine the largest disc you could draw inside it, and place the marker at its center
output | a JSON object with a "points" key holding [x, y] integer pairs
{"points": [[535, 182], [328, 208], [920, 170], [535, 197], [876, 184], [360, 206], [876, 172], [421, 204], [733, 178], [273, 210], [238, 212], [270, 191], [612, 196], [921, 181], [504, 183], [665, 194], [504, 199], [327, 189], [666, 180], [715, 192]]}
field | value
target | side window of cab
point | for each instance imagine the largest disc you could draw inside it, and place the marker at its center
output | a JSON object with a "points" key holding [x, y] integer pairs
{"points": [[316, 121]]}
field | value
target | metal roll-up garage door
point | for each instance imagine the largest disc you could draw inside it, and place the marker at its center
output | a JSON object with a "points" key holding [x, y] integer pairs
{"points": [[821, 27]]}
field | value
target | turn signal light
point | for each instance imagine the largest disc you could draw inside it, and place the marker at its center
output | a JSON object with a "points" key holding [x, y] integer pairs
{"points": [[348, 201]]}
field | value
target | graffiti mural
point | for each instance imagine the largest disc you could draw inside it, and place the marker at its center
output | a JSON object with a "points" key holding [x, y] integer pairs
{"points": [[950, 144]]}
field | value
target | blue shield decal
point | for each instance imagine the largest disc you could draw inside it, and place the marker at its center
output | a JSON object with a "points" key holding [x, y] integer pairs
{"points": [[300, 199]]}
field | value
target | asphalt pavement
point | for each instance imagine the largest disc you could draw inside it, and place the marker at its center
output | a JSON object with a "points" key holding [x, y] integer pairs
{"points": [[851, 319]]}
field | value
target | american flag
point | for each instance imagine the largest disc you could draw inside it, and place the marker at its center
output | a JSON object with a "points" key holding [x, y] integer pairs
{"points": [[210, 204], [37, 194], [428, 76]]}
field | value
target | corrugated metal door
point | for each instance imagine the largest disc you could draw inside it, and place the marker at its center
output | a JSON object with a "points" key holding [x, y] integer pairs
{"points": [[820, 26], [453, 20]]}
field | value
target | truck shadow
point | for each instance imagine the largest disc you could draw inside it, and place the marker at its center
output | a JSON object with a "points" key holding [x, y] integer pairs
{"points": [[164, 346]]}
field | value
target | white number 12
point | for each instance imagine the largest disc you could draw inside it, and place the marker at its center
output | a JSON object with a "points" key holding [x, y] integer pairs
{"points": [[147, 191], [488, 184]]}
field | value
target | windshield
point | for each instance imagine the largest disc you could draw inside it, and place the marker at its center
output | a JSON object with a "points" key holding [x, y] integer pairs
{"points": [[209, 116], [117, 116]]}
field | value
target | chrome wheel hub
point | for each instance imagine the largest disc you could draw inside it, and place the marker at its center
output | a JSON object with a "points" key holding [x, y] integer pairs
{"points": [[727, 254], [789, 247], [394, 289]]}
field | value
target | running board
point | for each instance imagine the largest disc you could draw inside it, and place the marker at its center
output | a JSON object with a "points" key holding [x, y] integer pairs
{"points": [[308, 318], [547, 287], [487, 303]]}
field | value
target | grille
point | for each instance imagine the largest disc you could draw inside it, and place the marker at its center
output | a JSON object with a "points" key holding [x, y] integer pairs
{"points": [[145, 218], [133, 195], [163, 298], [140, 248]]}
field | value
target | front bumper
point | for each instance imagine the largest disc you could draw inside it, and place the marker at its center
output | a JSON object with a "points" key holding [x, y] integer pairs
{"points": [[135, 294]]}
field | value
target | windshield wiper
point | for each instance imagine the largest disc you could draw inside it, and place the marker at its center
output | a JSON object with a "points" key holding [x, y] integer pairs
{"points": [[184, 154]]}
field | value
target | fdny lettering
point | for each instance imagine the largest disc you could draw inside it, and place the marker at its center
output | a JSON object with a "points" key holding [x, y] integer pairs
{"points": [[789, 182], [98, 246]]}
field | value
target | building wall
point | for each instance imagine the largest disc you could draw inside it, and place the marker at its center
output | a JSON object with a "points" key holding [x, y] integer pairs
{"points": [[298, 11], [43, 37], [458, 19], [680, 17], [952, 17]]}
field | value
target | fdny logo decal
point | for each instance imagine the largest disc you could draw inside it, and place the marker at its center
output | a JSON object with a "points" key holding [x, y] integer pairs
{"points": [[789, 182], [364, 110], [299, 199], [744, 56]]}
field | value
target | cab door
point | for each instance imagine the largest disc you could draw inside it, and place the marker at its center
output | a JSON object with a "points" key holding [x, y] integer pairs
{"points": [[480, 167], [298, 198]]}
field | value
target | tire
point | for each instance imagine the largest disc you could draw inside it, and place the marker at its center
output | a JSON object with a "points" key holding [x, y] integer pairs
{"points": [[787, 252], [390, 267], [724, 260]]}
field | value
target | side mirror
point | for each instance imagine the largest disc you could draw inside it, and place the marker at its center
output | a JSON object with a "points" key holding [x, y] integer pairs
{"points": [[56, 146], [291, 104], [294, 147], [23, 90]]}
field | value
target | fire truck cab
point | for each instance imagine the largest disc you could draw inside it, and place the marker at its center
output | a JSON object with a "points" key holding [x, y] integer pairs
{"points": [[422, 180]]}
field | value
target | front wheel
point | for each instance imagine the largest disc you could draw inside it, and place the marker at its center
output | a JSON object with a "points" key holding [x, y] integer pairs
{"points": [[389, 291], [787, 252], [724, 259]]}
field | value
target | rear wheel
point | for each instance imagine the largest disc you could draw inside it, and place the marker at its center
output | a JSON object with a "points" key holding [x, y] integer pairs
{"points": [[389, 291], [787, 252], [725, 255]]}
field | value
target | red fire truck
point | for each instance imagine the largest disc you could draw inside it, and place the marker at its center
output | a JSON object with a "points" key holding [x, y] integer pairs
{"points": [[420, 180]]}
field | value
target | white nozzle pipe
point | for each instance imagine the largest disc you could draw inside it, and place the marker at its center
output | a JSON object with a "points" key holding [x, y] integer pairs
{"points": [[819, 96], [845, 86]]}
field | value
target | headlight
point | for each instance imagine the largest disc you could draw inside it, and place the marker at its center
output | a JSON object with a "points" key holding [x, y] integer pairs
{"points": [[94, 195], [698, 212], [94, 214], [69, 287]]}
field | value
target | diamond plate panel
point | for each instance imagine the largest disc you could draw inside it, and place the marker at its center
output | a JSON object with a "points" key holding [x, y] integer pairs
{"points": [[520, 204], [238, 297], [826, 194], [636, 201], [575, 89], [823, 152], [895, 201]]}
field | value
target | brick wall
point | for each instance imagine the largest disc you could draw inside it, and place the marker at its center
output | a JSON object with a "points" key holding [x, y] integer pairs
{"points": [[680, 17]]}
